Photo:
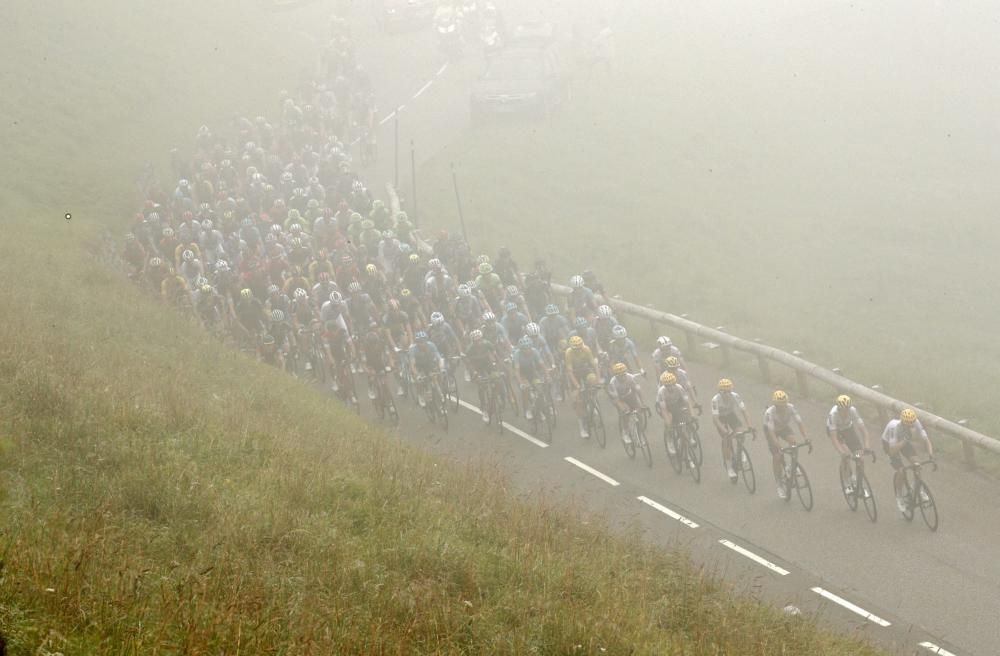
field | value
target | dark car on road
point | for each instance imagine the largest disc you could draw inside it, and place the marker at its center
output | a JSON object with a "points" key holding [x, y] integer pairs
{"points": [[526, 78]]}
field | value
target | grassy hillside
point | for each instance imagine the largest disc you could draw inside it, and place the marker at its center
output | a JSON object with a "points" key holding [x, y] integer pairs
{"points": [[781, 170], [161, 495]]}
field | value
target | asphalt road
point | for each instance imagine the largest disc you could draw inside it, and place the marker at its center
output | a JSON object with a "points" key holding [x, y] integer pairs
{"points": [[908, 585]]}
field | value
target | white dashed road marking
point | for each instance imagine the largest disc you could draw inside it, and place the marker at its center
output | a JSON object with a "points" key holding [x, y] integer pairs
{"points": [[668, 512], [934, 649], [754, 557], [420, 92], [513, 429], [590, 470], [851, 607]]}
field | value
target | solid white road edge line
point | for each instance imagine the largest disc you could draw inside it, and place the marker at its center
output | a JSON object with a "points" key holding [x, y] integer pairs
{"points": [[441, 70], [513, 429], [668, 512], [851, 607], [754, 557], [935, 649], [590, 470]]}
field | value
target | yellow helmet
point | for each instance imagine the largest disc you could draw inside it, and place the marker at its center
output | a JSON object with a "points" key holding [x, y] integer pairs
{"points": [[672, 362], [779, 397], [619, 368], [725, 385], [667, 378], [246, 293], [592, 378], [404, 292], [844, 401], [576, 342], [908, 416], [371, 268]]}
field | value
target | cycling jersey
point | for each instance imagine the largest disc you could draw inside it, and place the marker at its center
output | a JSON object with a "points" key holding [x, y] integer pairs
{"points": [[622, 349], [444, 338], [780, 422], [726, 405], [843, 421], [896, 431], [580, 299], [624, 388], [580, 361], [481, 356], [528, 362], [425, 357], [672, 397]]}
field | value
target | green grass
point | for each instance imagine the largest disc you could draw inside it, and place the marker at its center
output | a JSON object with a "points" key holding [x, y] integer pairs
{"points": [[765, 171], [161, 495]]}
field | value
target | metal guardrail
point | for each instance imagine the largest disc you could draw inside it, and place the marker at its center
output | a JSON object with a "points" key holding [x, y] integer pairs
{"points": [[883, 404]]}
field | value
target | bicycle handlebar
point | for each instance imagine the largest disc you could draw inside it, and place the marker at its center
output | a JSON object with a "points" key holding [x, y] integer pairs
{"points": [[796, 447], [918, 465]]}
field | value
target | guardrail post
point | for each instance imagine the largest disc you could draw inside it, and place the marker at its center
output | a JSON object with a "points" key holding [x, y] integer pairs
{"points": [[968, 450], [765, 368]]}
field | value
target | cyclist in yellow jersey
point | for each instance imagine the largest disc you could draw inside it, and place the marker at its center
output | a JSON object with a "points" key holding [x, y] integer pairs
{"points": [[580, 363]]}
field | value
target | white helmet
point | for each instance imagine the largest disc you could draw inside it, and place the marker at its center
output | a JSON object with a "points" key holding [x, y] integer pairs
{"points": [[576, 282], [604, 311], [619, 331], [664, 342]]}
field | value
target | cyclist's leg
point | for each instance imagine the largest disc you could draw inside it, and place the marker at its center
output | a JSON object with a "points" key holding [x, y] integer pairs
{"points": [[777, 460]]}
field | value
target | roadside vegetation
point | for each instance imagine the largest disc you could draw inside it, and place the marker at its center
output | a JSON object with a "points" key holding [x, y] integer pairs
{"points": [[160, 494], [732, 171]]}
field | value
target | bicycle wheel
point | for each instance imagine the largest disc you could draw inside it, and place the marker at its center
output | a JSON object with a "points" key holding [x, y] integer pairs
{"points": [[597, 425], [630, 443], [499, 401], [803, 489], [746, 469], [680, 450], [928, 509], [908, 491], [851, 497], [379, 401], [695, 446], [451, 389], [692, 464], [868, 497], [647, 452], [442, 408], [511, 396]]}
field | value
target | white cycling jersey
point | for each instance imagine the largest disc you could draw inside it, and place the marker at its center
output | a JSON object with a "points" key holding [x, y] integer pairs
{"points": [[839, 420], [726, 404], [776, 420], [896, 431]]}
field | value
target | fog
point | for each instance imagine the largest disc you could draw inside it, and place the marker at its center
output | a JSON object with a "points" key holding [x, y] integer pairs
{"points": [[817, 174]]}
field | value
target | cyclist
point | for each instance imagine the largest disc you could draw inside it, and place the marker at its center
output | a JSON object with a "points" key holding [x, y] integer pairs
{"points": [[622, 349], [555, 327], [778, 420], [625, 393], [444, 337], [581, 299], [481, 360], [513, 322], [583, 330], [529, 368], [665, 349], [250, 313], [580, 364], [338, 346], [284, 337], [468, 309], [376, 359], [843, 424], [490, 286], [673, 404], [726, 408], [536, 294], [673, 365], [506, 267], [604, 326], [425, 363], [897, 442]]}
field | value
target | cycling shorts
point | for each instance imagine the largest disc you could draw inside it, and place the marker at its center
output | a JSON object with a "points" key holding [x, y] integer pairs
{"points": [[897, 460], [731, 421], [783, 433], [850, 439]]}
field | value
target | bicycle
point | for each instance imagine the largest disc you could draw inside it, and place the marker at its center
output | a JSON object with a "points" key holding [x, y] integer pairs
{"points": [[385, 405], [854, 484], [794, 475], [741, 463], [687, 450], [635, 427], [509, 387], [543, 410], [346, 390], [494, 398], [450, 381], [436, 405], [918, 495], [315, 361], [593, 417]]}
